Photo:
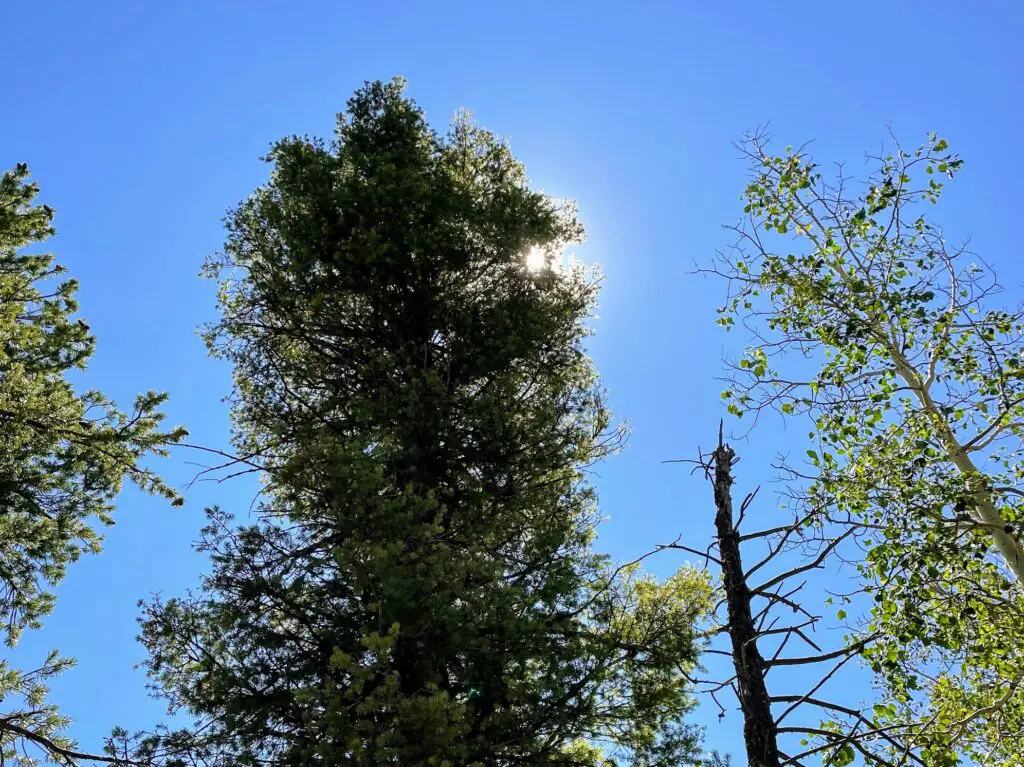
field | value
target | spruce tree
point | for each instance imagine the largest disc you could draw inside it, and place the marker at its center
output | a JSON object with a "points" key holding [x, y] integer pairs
{"points": [[63, 458], [419, 587]]}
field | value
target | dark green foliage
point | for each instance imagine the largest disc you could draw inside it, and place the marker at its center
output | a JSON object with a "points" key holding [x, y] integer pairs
{"points": [[63, 457], [419, 587]]}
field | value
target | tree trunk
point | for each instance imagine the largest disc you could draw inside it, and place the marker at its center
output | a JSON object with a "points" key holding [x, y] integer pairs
{"points": [[759, 731], [985, 512]]}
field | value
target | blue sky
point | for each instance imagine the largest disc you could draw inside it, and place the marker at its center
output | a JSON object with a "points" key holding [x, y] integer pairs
{"points": [[144, 122]]}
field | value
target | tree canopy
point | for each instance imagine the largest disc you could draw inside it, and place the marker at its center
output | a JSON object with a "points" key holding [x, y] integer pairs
{"points": [[63, 458], [869, 323], [419, 580], [420, 586]]}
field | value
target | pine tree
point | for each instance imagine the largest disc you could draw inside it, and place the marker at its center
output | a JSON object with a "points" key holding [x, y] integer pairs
{"points": [[419, 587], [63, 458]]}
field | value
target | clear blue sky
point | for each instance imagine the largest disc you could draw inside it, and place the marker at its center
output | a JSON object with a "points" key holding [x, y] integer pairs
{"points": [[143, 121]]}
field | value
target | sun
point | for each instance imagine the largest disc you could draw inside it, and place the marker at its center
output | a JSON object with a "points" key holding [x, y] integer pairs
{"points": [[536, 259]]}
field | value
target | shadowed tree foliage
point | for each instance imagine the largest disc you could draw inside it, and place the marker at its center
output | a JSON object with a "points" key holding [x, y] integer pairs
{"points": [[419, 587], [63, 458]]}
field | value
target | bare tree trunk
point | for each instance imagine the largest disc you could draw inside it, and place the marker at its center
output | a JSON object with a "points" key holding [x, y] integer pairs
{"points": [[751, 619], [759, 729]]}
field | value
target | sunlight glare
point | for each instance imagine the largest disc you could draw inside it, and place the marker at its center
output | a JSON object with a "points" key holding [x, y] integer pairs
{"points": [[535, 259]]}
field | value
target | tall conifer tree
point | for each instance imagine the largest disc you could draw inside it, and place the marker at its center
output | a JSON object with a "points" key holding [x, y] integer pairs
{"points": [[419, 587]]}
